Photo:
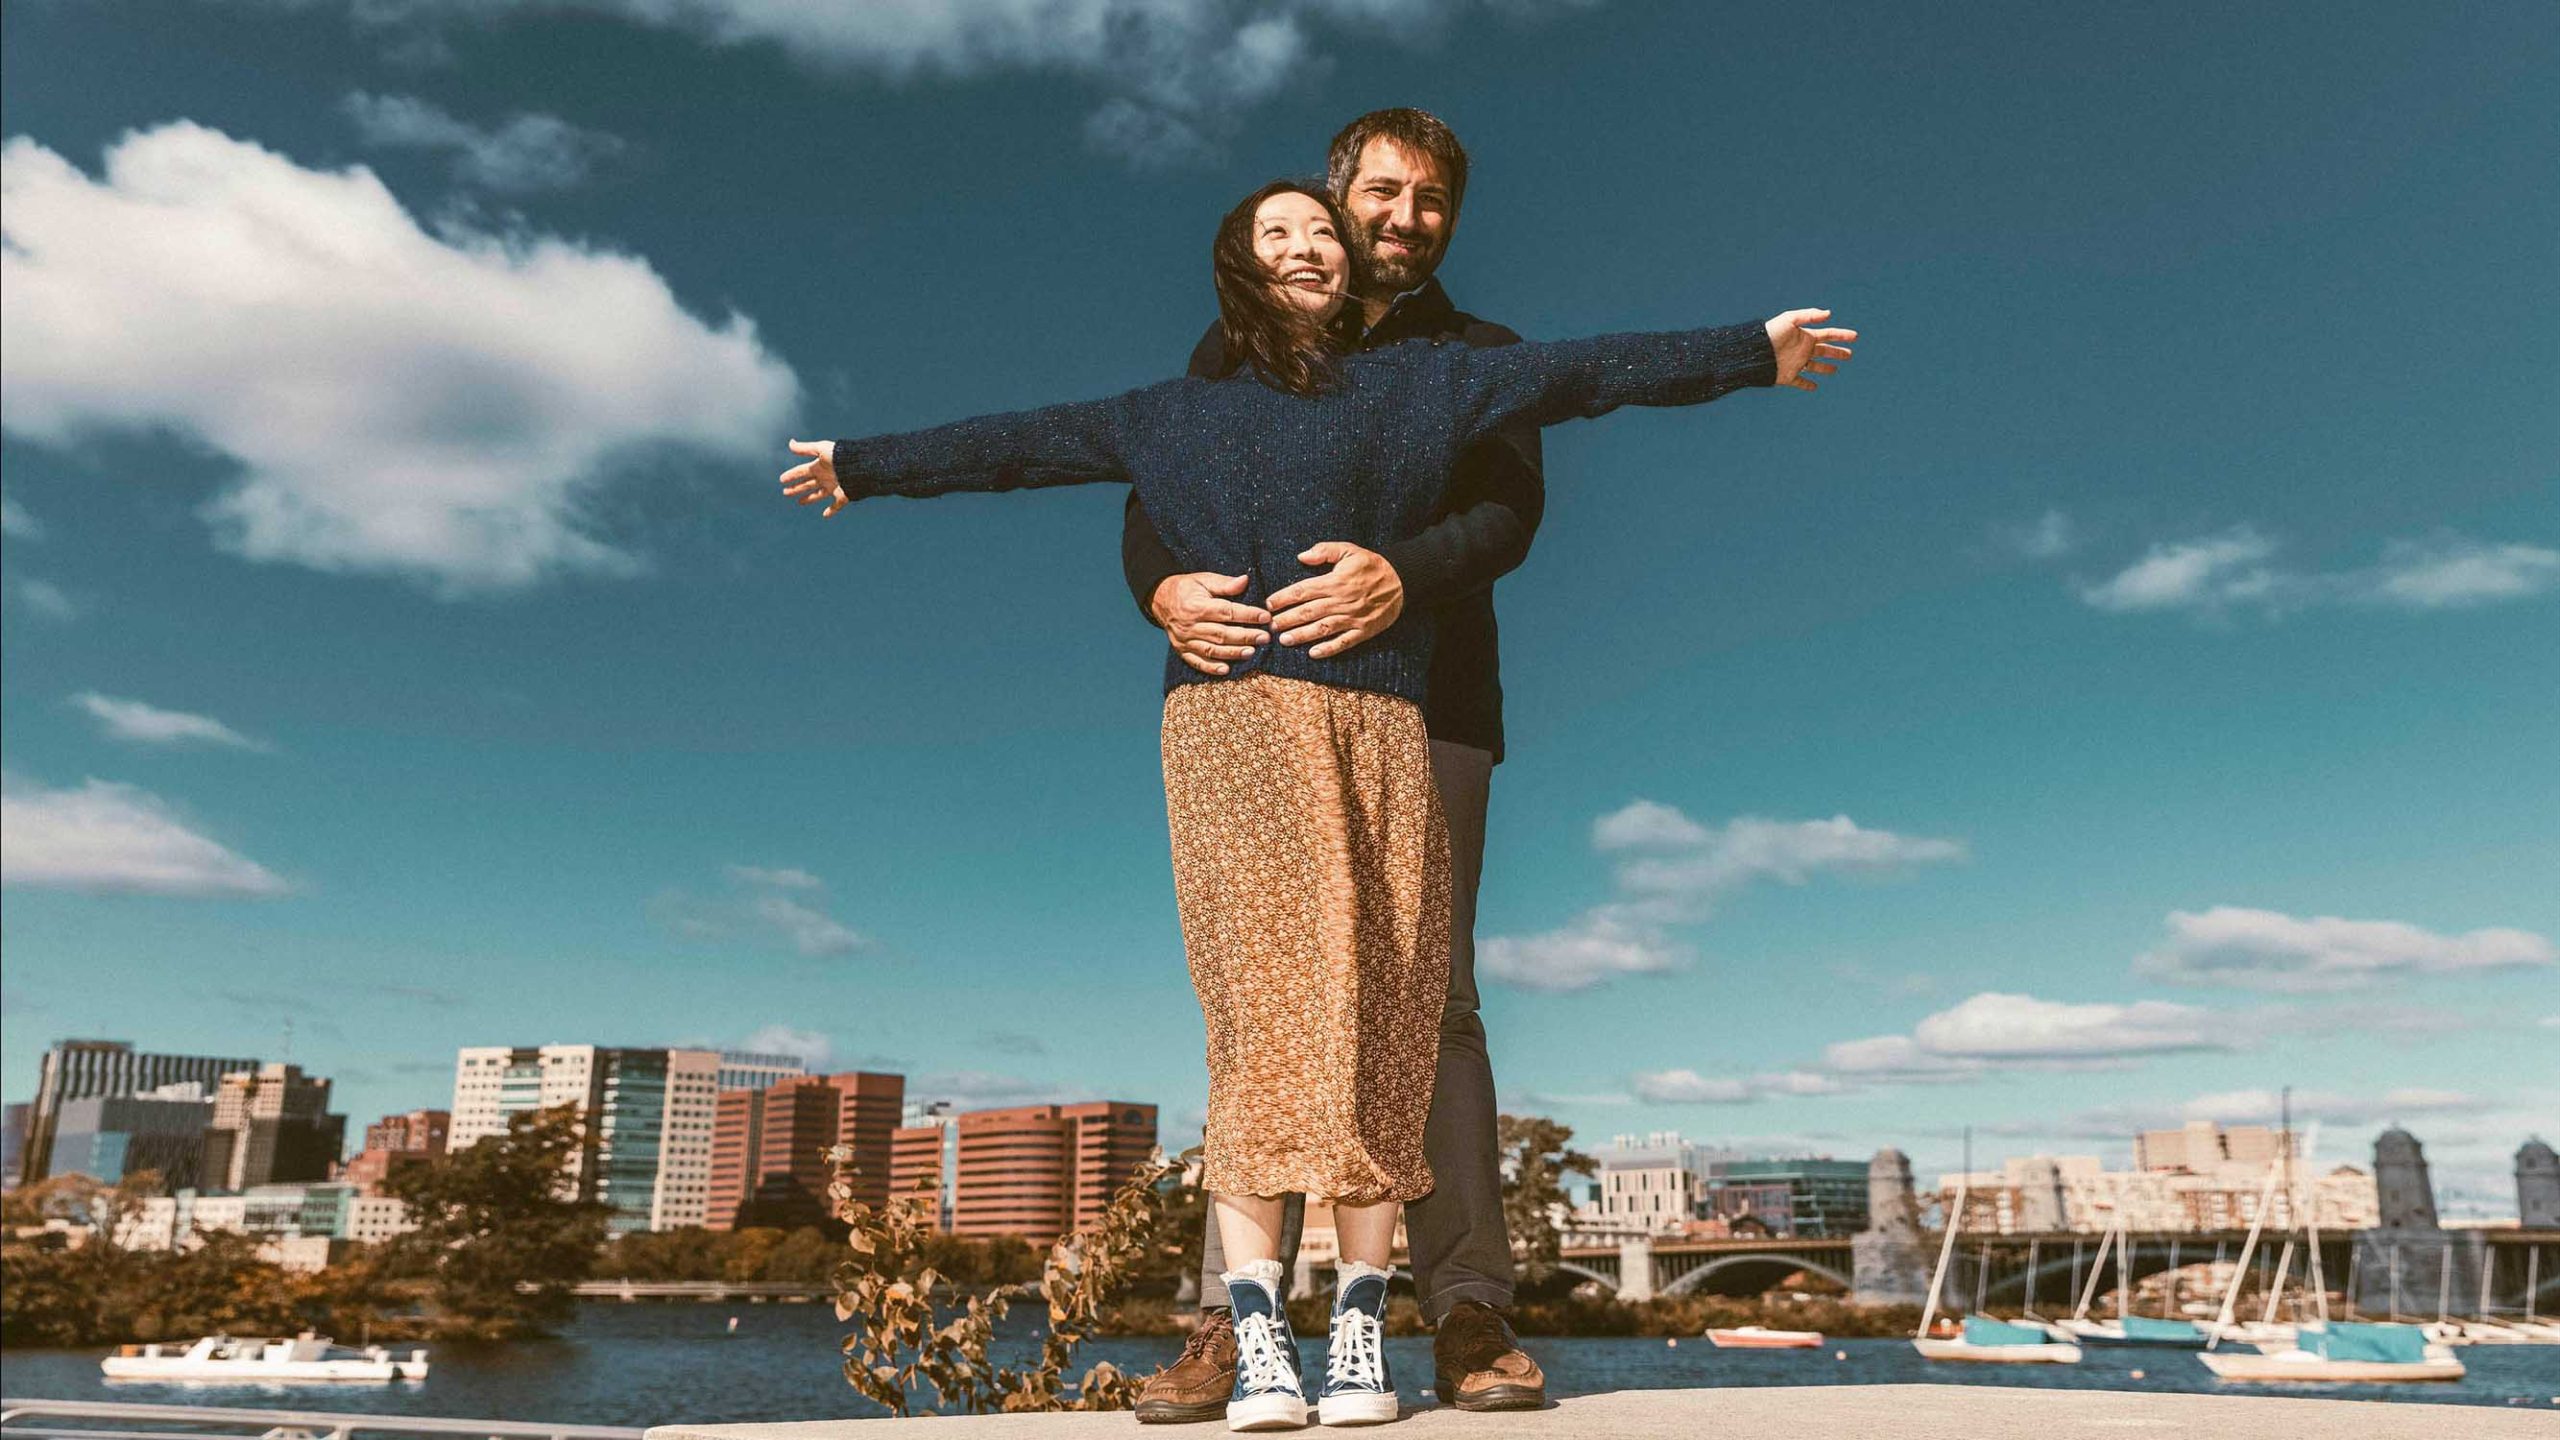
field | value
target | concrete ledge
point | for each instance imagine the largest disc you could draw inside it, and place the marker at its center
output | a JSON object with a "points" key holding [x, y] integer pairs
{"points": [[1886, 1412]]}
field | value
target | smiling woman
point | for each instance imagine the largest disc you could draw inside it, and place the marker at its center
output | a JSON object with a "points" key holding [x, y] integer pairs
{"points": [[1310, 853]]}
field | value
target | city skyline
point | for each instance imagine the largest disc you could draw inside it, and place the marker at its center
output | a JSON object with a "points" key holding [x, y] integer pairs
{"points": [[2115, 703]]}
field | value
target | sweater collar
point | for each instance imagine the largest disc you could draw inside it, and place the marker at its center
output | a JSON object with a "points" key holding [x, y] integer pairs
{"points": [[1419, 313]]}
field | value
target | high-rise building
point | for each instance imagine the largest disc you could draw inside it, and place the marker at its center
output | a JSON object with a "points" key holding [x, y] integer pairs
{"points": [[1111, 1138], [2200, 1146], [919, 1164], [14, 1119], [1787, 1197], [80, 1069], [397, 1142], [271, 1126], [868, 1115], [1038, 1171], [420, 1132], [769, 1147], [115, 1137], [754, 1070], [646, 1120], [737, 1148]]}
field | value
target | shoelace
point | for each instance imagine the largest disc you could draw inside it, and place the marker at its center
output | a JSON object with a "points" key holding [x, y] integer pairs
{"points": [[1353, 1358], [1204, 1335], [1258, 1356]]}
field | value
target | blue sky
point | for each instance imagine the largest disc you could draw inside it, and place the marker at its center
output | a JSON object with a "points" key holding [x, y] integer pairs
{"points": [[2127, 691]]}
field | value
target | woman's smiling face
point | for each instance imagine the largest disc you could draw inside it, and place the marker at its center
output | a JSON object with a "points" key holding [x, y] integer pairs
{"points": [[1294, 237]]}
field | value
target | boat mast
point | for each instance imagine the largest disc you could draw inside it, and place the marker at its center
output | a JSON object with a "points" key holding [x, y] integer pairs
{"points": [[2239, 1272], [1946, 1251]]}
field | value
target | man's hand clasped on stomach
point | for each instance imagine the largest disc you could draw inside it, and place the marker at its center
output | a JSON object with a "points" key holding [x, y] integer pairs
{"points": [[1357, 597]]}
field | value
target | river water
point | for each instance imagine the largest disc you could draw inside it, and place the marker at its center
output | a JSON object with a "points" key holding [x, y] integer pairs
{"points": [[650, 1364]]}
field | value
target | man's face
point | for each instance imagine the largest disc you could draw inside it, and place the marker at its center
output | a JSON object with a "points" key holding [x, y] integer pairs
{"points": [[1401, 215]]}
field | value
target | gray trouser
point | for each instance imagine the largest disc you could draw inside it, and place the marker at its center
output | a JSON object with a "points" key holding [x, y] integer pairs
{"points": [[1460, 1248]]}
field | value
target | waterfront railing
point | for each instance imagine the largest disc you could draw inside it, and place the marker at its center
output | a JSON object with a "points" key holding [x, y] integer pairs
{"points": [[109, 1420]]}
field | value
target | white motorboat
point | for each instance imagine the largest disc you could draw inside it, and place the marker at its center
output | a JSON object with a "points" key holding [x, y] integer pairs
{"points": [[306, 1357], [2341, 1352]]}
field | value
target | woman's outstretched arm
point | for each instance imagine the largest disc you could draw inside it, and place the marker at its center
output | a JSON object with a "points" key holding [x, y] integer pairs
{"points": [[1083, 443], [1547, 383]]}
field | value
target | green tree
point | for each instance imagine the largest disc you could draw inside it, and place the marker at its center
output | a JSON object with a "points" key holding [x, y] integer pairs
{"points": [[500, 1244], [1536, 1154]]}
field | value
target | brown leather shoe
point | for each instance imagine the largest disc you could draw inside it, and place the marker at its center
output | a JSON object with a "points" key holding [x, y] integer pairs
{"points": [[1196, 1385], [1477, 1363]]}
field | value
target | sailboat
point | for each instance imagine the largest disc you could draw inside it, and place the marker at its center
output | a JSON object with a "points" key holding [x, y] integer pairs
{"points": [[2130, 1331], [2321, 1350], [1983, 1340]]}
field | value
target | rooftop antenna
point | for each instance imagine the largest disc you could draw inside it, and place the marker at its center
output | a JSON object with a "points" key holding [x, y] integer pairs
{"points": [[288, 1037]]}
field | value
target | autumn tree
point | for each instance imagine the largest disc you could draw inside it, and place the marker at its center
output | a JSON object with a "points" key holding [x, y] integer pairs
{"points": [[501, 1241], [1536, 1156]]}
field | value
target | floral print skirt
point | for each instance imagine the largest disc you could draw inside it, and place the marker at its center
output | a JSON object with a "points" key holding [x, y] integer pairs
{"points": [[1311, 869]]}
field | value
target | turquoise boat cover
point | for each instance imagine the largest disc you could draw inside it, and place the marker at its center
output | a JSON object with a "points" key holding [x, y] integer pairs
{"points": [[2390, 1344], [1978, 1331], [2138, 1328]]}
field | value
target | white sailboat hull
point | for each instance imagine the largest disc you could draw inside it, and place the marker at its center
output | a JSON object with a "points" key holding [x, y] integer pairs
{"points": [[2053, 1353], [2302, 1365]]}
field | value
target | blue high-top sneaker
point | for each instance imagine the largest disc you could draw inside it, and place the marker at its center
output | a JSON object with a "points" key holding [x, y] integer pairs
{"points": [[1269, 1393], [1357, 1388]]}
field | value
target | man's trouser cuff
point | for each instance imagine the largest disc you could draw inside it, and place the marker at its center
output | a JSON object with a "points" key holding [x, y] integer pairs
{"points": [[1437, 1305]]}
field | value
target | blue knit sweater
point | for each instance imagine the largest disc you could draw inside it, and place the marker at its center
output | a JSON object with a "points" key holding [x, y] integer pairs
{"points": [[1239, 477]]}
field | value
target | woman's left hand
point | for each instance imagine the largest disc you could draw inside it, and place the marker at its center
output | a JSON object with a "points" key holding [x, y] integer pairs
{"points": [[1806, 347], [816, 480]]}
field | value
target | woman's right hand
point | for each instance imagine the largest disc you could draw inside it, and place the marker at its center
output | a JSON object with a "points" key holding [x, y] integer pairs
{"points": [[816, 480]]}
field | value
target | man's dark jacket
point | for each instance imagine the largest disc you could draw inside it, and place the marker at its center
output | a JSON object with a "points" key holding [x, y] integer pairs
{"points": [[1480, 533]]}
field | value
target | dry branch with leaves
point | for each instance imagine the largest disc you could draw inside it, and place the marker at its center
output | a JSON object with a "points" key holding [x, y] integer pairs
{"points": [[902, 1344]]}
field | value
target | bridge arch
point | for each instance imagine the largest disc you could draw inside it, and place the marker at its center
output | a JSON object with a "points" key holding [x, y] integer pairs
{"points": [[1605, 1282], [1784, 1264]]}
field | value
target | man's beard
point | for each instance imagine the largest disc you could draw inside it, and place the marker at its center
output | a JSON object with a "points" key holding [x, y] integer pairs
{"points": [[1394, 276]]}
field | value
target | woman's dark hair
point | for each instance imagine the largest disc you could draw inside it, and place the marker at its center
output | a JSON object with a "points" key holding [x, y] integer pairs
{"points": [[1266, 332]]}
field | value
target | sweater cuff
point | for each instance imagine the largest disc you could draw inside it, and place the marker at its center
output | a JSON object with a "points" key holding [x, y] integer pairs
{"points": [[851, 477], [1425, 570], [1744, 352]]}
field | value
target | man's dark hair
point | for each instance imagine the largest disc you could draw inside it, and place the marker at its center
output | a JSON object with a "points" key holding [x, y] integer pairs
{"points": [[1283, 344], [1418, 131]]}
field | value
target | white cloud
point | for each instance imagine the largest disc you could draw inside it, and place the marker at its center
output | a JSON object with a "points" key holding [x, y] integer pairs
{"points": [[116, 839], [1995, 1026], [2050, 536], [2450, 572], [16, 522], [442, 407], [2205, 574], [1688, 1087], [785, 878], [780, 906], [2216, 574], [807, 1046], [1594, 948], [529, 152], [1748, 849], [44, 598], [2549, 1022], [1175, 76], [1894, 1058], [150, 725], [2270, 950], [1672, 871]]}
